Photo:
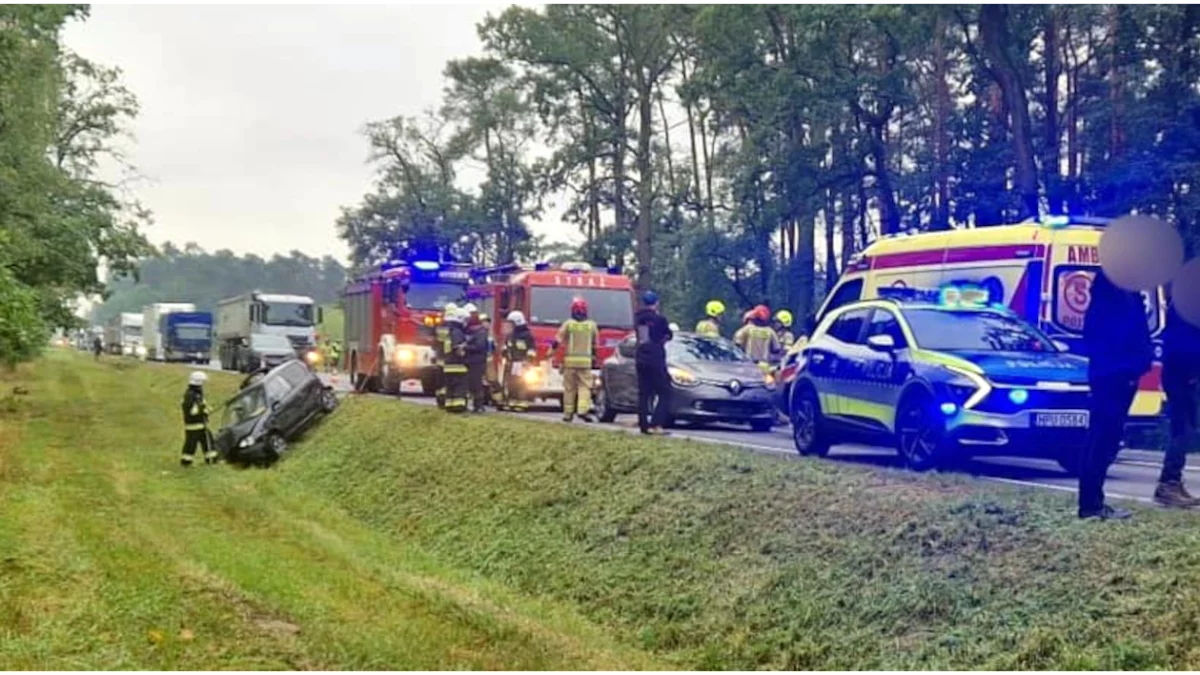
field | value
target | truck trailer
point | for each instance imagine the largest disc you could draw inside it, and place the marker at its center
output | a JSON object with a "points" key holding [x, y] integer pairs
{"points": [[240, 318], [183, 337]]}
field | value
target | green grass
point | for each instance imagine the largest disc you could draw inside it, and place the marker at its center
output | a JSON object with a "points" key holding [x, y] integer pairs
{"points": [[399, 537], [334, 321]]}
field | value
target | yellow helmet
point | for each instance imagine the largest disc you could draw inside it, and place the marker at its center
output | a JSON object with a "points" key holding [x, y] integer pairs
{"points": [[714, 308], [784, 317]]}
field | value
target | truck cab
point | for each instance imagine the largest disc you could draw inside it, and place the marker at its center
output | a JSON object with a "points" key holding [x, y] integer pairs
{"points": [[544, 296]]}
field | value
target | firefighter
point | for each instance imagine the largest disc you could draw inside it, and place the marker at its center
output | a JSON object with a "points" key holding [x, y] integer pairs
{"points": [[441, 335], [711, 325], [454, 363], [476, 357], [581, 337], [519, 348], [195, 422], [783, 329], [335, 356], [757, 339]]}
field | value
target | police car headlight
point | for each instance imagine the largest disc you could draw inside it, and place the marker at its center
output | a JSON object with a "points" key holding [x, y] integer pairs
{"points": [[683, 378], [968, 388], [405, 356], [769, 381]]}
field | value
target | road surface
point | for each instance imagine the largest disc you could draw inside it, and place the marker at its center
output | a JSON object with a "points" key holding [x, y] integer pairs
{"points": [[1133, 477]]}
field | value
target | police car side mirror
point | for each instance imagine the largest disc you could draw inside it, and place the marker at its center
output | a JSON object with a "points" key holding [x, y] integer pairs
{"points": [[881, 343]]}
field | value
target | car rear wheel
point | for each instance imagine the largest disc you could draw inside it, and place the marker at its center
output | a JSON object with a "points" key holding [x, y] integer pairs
{"points": [[920, 435], [329, 401], [808, 425], [275, 446], [604, 405]]}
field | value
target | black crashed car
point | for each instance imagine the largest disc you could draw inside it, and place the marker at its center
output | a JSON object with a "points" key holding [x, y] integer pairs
{"points": [[272, 409], [712, 380]]}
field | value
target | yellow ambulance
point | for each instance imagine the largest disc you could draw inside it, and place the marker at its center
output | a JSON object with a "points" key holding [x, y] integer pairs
{"points": [[1042, 270]]}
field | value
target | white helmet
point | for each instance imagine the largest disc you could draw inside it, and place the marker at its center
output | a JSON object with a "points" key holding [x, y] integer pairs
{"points": [[516, 317], [197, 378], [450, 309], [469, 309], [674, 327], [458, 315]]}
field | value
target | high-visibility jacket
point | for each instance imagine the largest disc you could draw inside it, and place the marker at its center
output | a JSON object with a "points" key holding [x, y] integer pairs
{"points": [[455, 349], [519, 346], [786, 338], [759, 342], [708, 328], [195, 409], [441, 335], [580, 338]]}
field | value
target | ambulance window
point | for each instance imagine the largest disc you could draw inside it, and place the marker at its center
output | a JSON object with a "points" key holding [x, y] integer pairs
{"points": [[848, 326], [845, 293], [884, 322]]}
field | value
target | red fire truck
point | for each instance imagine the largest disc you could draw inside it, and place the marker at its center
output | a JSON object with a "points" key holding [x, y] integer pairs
{"points": [[391, 317], [544, 296]]}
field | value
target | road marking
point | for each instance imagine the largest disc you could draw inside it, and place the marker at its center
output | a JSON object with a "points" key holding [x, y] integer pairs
{"points": [[1062, 488]]}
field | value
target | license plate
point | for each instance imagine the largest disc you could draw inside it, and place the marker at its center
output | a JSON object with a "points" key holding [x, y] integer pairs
{"points": [[1061, 420]]}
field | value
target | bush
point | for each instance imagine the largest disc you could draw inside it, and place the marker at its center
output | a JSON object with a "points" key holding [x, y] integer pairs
{"points": [[23, 333]]}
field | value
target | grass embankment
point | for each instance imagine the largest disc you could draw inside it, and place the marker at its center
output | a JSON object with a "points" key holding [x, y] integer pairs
{"points": [[112, 556], [397, 536]]}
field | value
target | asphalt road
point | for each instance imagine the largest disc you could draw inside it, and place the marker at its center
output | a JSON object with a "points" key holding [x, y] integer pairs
{"points": [[1133, 477]]}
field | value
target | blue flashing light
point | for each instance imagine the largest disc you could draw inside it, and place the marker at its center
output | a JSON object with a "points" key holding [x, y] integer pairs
{"points": [[541, 267], [1018, 396], [614, 270], [426, 265], [949, 408]]}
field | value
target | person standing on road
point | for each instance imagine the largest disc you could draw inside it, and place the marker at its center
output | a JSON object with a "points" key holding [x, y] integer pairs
{"points": [[195, 422], [1117, 340], [476, 353], [757, 339], [454, 363], [441, 341], [710, 326], [1180, 373], [97, 347], [654, 382], [582, 337], [783, 329]]}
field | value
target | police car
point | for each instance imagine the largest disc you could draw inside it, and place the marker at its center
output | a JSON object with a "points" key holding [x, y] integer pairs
{"points": [[942, 375]]}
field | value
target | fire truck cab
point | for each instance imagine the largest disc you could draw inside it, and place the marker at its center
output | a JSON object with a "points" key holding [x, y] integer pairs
{"points": [[391, 317], [544, 296]]}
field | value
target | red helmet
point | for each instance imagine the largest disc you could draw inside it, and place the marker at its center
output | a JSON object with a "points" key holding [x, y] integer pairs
{"points": [[579, 306], [760, 313]]}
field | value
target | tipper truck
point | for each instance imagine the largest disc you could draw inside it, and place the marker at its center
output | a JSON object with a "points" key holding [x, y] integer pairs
{"points": [[242, 317]]}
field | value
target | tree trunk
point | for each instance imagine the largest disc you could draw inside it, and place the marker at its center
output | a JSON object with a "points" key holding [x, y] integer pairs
{"points": [[687, 106], [941, 136], [996, 39], [1051, 152], [831, 266], [889, 211], [645, 164], [1072, 60]]}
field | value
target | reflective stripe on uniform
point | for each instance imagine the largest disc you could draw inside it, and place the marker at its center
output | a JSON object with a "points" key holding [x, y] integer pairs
{"points": [[187, 459], [581, 336], [198, 426], [454, 369]]}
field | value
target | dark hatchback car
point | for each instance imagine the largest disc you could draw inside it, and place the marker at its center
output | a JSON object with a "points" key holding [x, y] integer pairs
{"points": [[712, 380], [272, 409]]}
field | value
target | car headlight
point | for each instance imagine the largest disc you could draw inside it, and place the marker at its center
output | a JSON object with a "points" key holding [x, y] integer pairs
{"points": [[769, 381], [683, 378], [531, 376], [313, 357], [405, 356], [970, 389], [139, 350], [247, 441]]}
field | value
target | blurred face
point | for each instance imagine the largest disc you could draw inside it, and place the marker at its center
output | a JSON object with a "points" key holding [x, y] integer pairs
{"points": [[507, 328], [1185, 292], [1140, 253]]}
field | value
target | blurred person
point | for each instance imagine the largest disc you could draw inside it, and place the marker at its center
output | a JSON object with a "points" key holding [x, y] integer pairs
{"points": [[654, 382], [1180, 374]]}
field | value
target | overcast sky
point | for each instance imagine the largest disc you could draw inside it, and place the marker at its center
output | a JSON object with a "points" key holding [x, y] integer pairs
{"points": [[249, 129]]}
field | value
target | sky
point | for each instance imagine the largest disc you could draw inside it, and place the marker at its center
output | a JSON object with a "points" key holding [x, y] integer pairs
{"points": [[249, 136]]}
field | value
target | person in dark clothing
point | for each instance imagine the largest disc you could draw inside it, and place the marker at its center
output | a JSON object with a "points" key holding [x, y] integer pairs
{"points": [[476, 357], [1117, 339], [454, 362], [97, 347], [653, 333], [1180, 374], [195, 422], [520, 347]]}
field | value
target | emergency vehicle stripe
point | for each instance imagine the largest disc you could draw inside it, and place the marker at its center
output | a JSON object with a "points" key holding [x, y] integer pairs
{"points": [[968, 254]]}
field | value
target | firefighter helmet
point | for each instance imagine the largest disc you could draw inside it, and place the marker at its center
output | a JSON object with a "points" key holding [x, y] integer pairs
{"points": [[516, 317], [784, 317], [714, 308], [760, 313], [197, 378], [579, 306]]}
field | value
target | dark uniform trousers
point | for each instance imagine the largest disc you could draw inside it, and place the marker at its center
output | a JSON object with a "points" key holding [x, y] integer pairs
{"points": [[653, 380], [196, 438], [1109, 408], [1179, 384]]}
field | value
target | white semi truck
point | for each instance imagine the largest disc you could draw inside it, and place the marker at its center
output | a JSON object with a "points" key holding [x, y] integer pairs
{"points": [[242, 317], [123, 334]]}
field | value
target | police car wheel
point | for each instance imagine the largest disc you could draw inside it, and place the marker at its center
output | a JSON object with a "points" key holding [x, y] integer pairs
{"points": [[808, 433], [919, 434]]}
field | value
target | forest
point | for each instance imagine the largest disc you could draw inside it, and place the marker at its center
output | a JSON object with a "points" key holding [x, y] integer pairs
{"points": [[194, 275], [745, 152]]}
